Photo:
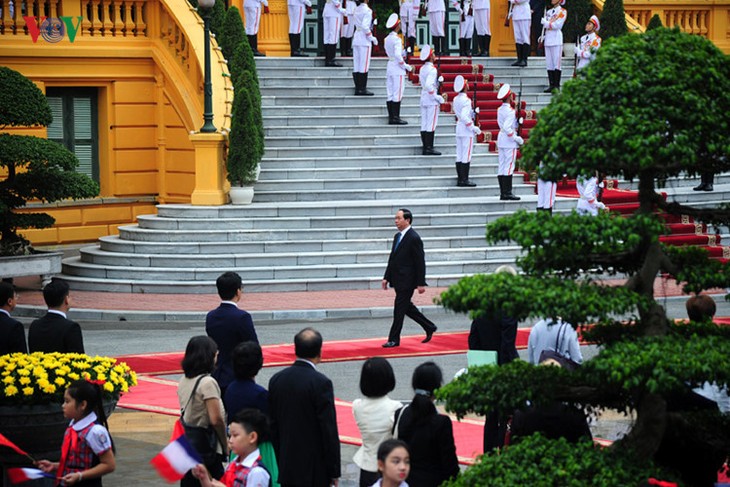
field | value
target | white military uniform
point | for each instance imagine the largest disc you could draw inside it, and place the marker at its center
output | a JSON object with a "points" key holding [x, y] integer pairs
{"points": [[397, 67], [409, 10], [466, 18], [430, 99], [436, 17], [296, 14], [588, 203], [252, 11], [332, 21], [521, 20], [553, 24], [507, 141], [348, 29], [466, 130], [363, 40], [482, 17], [546, 194], [589, 44]]}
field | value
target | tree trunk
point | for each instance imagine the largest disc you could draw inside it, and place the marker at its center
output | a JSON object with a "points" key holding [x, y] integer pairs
{"points": [[651, 420]]}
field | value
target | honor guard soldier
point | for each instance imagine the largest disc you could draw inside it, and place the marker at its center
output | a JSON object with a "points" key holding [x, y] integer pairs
{"points": [[430, 101], [409, 10], [332, 18], [588, 203], [252, 11], [521, 22], [362, 45], [396, 71], [466, 25], [589, 43], [297, 9], [348, 28], [466, 131], [552, 24], [481, 25], [437, 22], [507, 143], [546, 194]]}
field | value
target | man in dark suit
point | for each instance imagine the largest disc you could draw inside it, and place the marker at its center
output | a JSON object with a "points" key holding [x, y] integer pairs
{"points": [[303, 419], [54, 332], [11, 329], [405, 273], [228, 326]]}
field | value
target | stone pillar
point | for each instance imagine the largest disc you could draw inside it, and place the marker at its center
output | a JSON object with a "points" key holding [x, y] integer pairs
{"points": [[210, 180]]}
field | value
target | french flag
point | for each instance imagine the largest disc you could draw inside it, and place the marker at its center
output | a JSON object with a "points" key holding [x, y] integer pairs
{"points": [[174, 461], [20, 475]]}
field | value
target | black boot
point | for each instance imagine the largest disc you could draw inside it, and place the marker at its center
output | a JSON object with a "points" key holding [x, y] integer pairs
{"points": [[356, 80], [500, 180], [551, 81], [486, 41], [557, 74], [424, 144], [389, 104], [507, 194], [254, 43], [412, 44], [467, 47], [707, 182], [459, 174], [465, 181], [297, 46], [396, 120], [429, 150], [349, 46], [361, 82], [291, 45], [525, 52], [478, 49], [444, 46], [461, 47], [330, 50], [518, 50], [343, 46]]}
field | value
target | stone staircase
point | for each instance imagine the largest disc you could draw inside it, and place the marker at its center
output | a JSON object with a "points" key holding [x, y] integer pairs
{"points": [[333, 176]]}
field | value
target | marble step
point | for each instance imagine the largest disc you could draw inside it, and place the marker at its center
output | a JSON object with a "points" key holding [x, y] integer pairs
{"points": [[447, 158]]}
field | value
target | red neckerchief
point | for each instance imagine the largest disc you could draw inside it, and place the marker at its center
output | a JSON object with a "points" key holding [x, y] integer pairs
{"points": [[70, 442]]}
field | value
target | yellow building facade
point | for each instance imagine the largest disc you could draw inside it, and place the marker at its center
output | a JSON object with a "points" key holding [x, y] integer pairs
{"points": [[129, 74]]}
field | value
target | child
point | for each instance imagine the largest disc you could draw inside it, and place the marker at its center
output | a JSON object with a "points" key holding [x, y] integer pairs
{"points": [[87, 452], [394, 464], [247, 429]]}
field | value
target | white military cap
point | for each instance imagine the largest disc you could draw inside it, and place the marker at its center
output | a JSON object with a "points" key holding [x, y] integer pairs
{"points": [[594, 20], [503, 91], [459, 83], [392, 21], [425, 52]]}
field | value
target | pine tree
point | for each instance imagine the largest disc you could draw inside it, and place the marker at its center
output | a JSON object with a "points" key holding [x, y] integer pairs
{"points": [[613, 19], [654, 22], [579, 11]]}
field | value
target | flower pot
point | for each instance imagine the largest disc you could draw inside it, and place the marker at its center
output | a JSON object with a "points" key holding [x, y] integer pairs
{"points": [[241, 195], [44, 264]]}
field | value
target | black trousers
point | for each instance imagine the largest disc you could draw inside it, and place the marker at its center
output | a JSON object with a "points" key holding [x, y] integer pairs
{"points": [[404, 307]]}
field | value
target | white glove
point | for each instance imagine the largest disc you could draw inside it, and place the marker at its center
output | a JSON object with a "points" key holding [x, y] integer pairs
{"points": [[600, 205], [440, 98], [521, 121], [476, 130], [544, 21], [375, 41], [307, 3], [409, 68], [441, 79], [519, 140], [343, 11]]}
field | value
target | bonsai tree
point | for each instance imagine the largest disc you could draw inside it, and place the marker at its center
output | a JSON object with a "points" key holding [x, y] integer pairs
{"points": [[624, 117], [36, 168], [579, 11], [613, 19], [244, 143]]}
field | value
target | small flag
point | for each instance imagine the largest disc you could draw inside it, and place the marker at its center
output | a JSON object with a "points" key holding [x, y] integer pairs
{"points": [[20, 475], [177, 430], [174, 461], [5, 442]]}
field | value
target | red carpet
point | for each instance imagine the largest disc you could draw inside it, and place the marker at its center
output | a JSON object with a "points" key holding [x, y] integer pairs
{"points": [[332, 351]]}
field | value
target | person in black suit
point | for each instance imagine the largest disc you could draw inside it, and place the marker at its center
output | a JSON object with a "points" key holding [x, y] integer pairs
{"points": [[405, 273], [54, 332], [228, 326], [304, 422], [11, 329]]}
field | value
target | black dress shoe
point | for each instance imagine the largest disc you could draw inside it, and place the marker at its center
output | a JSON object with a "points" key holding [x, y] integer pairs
{"points": [[429, 335], [390, 344]]}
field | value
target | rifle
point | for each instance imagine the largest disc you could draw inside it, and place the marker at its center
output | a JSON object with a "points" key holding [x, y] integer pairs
{"points": [[475, 108], [575, 66], [509, 14], [518, 110], [541, 39]]}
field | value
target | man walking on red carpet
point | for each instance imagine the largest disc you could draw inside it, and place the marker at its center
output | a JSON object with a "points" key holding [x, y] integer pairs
{"points": [[405, 273]]}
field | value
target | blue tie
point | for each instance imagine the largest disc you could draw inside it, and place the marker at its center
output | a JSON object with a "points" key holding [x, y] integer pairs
{"points": [[397, 240]]}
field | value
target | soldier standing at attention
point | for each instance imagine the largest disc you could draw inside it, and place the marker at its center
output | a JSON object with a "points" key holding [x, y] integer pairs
{"points": [[362, 45], [521, 21], [466, 130], [481, 24], [436, 22], [507, 143], [409, 15], [466, 25], [589, 43], [296, 22], [396, 71], [553, 25], [252, 11], [430, 101], [348, 28], [332, 19], [546, 194]]}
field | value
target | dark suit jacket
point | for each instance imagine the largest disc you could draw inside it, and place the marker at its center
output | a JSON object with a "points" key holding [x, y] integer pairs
{"points": [[54, 333], [228, 325], [496, 333], [432, 448], [407, 264], [13, 335], [304, 426], [241, 394]]}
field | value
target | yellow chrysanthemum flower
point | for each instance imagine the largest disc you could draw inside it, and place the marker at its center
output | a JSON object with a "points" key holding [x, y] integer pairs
{"points": [[24, 381], [11, 391], [28, 391]]}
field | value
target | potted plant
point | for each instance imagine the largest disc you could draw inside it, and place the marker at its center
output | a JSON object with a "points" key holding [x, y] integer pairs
{"points": [[37, 169], [31, 394]]}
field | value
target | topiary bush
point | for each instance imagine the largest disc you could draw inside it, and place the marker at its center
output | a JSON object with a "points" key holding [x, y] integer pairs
{"points": [[244, 141], [37, 168], [654, 23], [579, 11], [231, 35], [613, 19]]}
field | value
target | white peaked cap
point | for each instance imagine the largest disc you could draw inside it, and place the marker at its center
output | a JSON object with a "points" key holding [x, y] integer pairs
{"points": [[459, 84], [425, 52], [392, 20], [597, 23], [503, 91]]}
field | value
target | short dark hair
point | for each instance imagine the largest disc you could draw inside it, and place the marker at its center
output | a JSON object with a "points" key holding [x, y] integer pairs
{"points": [[247, 360], [7, 292], [55, 292], [701, 307], [376, 378], [308, 343], [407, 215], [228, 285], [427, 377], [388, 446], [253, 420], [199, 356]]}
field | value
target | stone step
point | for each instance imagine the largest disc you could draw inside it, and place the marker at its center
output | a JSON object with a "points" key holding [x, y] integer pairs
{"points": [[381, 61], [369, 174], [446, 124], [447, 158], [361, 139], [409, 147]]}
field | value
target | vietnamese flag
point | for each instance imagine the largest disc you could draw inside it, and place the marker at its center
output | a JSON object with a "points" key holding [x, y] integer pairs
{"points": [[5, 442], [20, 475]]}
